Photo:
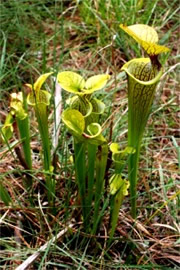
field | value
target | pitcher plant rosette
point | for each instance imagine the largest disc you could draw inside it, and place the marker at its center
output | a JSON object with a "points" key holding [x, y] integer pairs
{"points": [[82, 119], [90, 147], [143, 75]]}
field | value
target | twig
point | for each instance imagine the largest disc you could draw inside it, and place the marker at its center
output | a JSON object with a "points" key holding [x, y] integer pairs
{"points": [[58, 107], [169, 70], [34, 256]]}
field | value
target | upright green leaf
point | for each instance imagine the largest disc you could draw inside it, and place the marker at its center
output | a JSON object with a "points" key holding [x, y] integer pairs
{"points": [[7, 128], [4, 195], [38, 84], [118, 190], [40, 99], [143, 77]]}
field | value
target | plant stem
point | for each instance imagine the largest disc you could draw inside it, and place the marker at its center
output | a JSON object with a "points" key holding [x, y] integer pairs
{"points": [[41, 114], [134, 140], [23, 126], [80, 169], [92, 149], [132, 172], [115, 206], [101, 162]]}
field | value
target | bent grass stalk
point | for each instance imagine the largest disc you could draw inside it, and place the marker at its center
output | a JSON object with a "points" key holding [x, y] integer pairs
{"points": [[143, 75]]}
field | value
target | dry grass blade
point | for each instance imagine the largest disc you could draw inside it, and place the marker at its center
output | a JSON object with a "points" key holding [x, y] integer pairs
{"points": [[167, 226], [34, 256]]}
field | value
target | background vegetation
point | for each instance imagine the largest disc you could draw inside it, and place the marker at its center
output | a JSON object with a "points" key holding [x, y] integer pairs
{"points": [[84, 36]]}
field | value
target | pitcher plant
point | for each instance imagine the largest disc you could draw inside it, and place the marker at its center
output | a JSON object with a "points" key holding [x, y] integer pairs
{"points": [[90, 147], [143, 75], [40, 100], [18, 116]]}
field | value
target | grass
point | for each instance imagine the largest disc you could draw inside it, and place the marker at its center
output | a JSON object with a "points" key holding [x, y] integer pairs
{"points": [[43, 36]]}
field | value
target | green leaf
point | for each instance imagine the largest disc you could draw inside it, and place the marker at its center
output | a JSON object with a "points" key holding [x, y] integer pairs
{"points": [[119, 189], [142, 71], [98, 108], [94, 130], [16, 105], [95, 83], [144, 32], [31, 99], [129, 150], [38, 84], [81, 104], [7, 128], [146, 36], [7, 131], [95, 137], [115, 149], [42, 97], [143, 77], [118, 185], [74, 120], [142, 81], [71, 81], [98, 140], [4, 195], [19, 111], [139, 4], [97, 105]]}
